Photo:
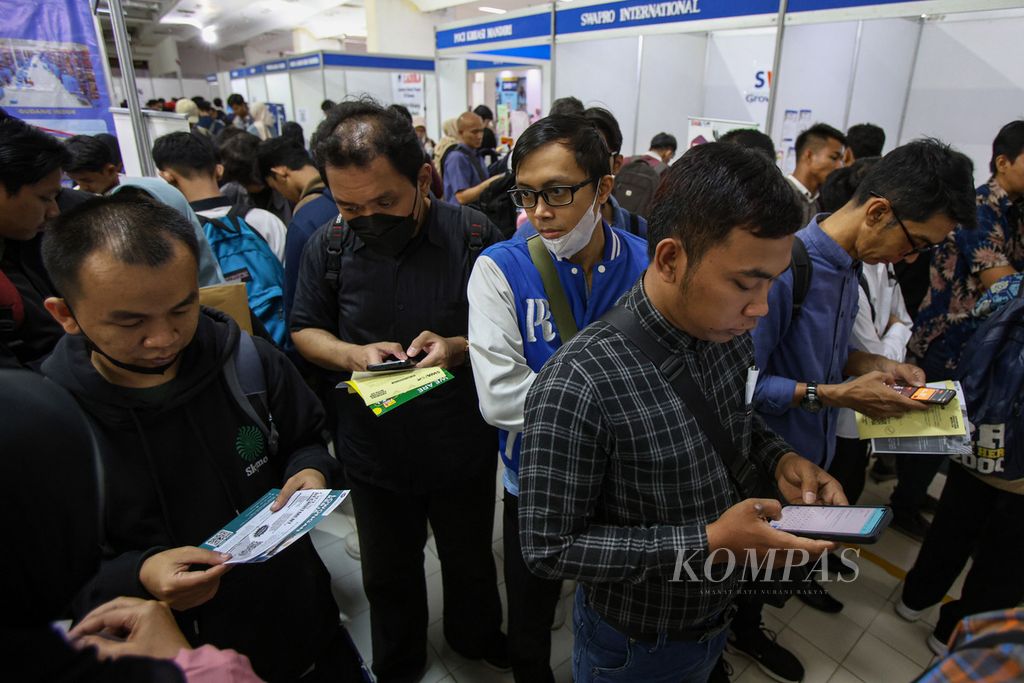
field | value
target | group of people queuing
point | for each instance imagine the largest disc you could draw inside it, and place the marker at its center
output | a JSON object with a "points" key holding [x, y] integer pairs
{"points": [[599, 350]]}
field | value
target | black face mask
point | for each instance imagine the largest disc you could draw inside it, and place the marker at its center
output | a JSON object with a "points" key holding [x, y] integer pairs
{"points": [[141, 369], [384, 233]]}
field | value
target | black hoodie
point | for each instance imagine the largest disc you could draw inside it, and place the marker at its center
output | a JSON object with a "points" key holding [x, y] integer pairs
{"points": [[181, 460]]}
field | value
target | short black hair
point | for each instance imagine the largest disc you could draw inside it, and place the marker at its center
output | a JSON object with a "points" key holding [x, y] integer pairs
{"points": [[484, 112], [326, 105], [714, 188], [189, 154], [818, 134], [575, 134], [1009, 142], [115, 148], [865, 140], [218, 102], [293, 131], [27, 155], [403, 110], [842, 183], [235, 98], [606, 125], [228, 133], [238, 157], [281, 151], [924, 178], [664, 141], [751, 138], [356, 132], [566, 106], [135, 228], [88, 153]]}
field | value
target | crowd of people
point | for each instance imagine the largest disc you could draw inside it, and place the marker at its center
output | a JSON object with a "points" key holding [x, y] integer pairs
{"points": [[599, 343]]}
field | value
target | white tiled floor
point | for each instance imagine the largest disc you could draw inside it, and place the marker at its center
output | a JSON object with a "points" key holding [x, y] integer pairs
{"points": [[865, 643]]}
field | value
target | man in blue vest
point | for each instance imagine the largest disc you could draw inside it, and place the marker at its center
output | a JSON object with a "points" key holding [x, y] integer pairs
{"points": [[562, 180]]}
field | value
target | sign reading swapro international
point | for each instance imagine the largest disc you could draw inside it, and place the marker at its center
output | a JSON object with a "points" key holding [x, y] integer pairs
{"points": [[630, 13], [515, 28]]}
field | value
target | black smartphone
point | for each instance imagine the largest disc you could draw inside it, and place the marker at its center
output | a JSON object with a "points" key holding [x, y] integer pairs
{"points": [[926, 394], [391, 365], [844, 523]]}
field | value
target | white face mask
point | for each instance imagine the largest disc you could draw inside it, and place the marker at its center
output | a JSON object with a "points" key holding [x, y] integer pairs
{"points": [[572, 242]]}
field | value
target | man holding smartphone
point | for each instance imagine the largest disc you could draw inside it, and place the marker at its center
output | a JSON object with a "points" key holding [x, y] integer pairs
{"points": [[388, 281]]}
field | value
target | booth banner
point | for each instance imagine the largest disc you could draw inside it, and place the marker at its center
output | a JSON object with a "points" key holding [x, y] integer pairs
{"points": [[407, 90], [515, 28], [701, 130], [51, 73], [631, 13]]}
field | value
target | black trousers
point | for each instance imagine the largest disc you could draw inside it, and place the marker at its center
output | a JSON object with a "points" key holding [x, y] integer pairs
{"points": [[972, 518], [392, 533], [531, 606], [849, 466]]}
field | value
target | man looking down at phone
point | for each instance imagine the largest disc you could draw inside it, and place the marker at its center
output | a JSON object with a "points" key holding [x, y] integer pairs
{"points": [[905, 206], [184, 452], [398, 263], [620, 480]]}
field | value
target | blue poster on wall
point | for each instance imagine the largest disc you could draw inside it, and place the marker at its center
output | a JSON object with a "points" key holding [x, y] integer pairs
{"points": [[51, 72]]}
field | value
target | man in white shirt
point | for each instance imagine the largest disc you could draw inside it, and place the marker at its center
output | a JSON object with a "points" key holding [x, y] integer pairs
{"points": [[819, 151], [189, 162]]}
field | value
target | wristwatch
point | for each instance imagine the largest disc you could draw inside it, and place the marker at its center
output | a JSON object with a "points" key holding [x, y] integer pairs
{"points": [[811, 403]]}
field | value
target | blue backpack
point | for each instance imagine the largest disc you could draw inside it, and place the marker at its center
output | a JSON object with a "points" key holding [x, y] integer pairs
{"points": [[244, 256], [991, 371]]}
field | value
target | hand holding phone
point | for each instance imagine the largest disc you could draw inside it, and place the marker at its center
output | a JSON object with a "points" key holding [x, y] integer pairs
{"points": [[391, 365]]}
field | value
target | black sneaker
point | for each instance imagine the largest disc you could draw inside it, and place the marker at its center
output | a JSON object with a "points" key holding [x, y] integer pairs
{"points": [[721, 672], [774, 660], [840, 568], [496, 655], [913, 525], [814, 595]]}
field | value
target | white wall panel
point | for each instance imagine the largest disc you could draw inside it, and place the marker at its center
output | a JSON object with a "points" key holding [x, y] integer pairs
{"points": [[671, 87]]}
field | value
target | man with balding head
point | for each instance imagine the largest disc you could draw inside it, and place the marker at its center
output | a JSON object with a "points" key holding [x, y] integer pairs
{"points": [[464, 174]]}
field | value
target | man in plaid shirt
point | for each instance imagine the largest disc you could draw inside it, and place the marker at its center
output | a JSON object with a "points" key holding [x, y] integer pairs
{"points": [[620, 487]]}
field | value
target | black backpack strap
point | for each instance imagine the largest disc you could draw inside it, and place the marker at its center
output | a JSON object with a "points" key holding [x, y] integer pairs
{"points": [[474, 235], [634, 224], [745, 475], [867, 292], [802, 272], [248, 384], [335, 236]]}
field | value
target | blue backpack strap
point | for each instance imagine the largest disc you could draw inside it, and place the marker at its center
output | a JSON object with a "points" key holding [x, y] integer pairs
{"points": [[248, 384]]}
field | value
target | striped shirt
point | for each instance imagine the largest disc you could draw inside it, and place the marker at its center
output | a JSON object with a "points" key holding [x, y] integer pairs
{"points": [[617, 478]]}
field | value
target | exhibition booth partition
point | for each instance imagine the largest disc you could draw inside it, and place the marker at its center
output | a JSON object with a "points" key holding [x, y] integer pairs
{"points": [[691, 67]]}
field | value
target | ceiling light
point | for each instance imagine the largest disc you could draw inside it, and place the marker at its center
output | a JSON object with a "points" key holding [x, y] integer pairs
{"points": [[492, 10], [209, 35]]}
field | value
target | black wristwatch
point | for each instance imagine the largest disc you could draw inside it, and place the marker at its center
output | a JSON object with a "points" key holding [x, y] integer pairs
{"points": [[811, 403]]}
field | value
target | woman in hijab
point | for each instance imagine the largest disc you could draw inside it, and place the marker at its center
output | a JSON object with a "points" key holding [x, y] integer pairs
{"points": [[52, 508], [263, 121]]}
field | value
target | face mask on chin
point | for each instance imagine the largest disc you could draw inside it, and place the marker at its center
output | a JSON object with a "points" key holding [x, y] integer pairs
{"points": [[141, 369], [573, 242], [385, 233]]}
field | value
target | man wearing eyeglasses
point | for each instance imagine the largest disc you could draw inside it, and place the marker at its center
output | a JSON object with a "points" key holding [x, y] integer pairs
{"points": [[906, 205], [562, 180]]}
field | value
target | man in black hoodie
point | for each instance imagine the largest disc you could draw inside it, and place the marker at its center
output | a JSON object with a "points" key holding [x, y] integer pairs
{"points": [[182, 454]]}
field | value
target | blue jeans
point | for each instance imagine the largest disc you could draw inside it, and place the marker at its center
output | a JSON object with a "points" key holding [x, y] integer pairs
{"points": [[602, 653]]}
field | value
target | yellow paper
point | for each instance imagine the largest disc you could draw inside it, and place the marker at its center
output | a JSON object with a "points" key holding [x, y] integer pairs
{"points": [[944, 420], [376, 387]]}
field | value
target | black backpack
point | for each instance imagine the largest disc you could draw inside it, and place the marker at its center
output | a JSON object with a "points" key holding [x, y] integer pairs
{"points": [[802, 269], [635, 185], [496, 204]]}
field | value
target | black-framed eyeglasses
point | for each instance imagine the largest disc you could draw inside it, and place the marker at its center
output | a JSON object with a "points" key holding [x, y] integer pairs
{"points": [[914, 247], [556, 195]]}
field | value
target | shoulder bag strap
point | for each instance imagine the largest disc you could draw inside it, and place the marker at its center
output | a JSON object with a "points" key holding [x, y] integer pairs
{"points": [[560, 309]]}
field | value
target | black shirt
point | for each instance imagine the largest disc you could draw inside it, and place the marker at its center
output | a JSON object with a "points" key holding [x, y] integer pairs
{"points": [[440, 437], [38, 333]]}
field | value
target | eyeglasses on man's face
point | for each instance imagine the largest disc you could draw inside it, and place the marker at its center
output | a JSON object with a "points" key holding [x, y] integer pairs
{"points": [[556, 195], [915, 248]]}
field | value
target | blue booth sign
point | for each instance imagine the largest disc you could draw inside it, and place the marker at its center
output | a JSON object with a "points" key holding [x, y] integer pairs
{"points": [[631, 13], [515, 28]]}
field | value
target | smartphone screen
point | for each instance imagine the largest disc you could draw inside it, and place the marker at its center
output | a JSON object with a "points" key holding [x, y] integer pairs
{"points": [[815, 521], [927, 394]]}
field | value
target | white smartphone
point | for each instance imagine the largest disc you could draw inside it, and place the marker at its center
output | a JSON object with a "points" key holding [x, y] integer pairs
{"points": [[844, 523]]}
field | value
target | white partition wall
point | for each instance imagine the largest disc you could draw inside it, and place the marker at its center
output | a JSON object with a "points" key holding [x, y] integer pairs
{"points": [[256, 87], [602, 73], [670, 86], [238, 87], [376, 84], [737, 76], [334, 84], [968, 111], [308, 94], [451, 78], [279, 91]]}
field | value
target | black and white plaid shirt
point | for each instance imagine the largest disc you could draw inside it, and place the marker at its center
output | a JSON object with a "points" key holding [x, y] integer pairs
{"points": [[617, 477]]}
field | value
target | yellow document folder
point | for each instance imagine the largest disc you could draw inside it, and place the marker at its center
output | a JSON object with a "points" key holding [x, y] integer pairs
{"points": [[938, 420]]}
